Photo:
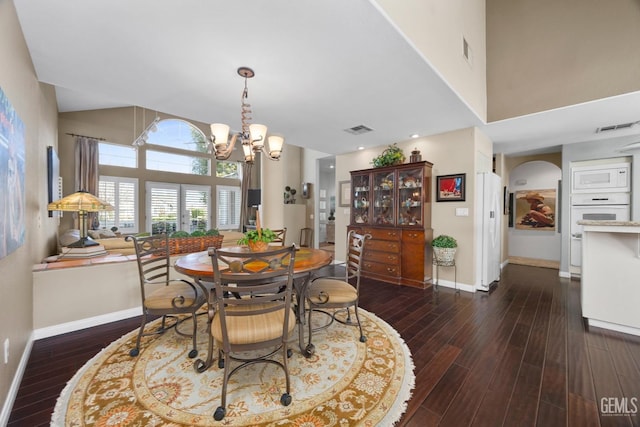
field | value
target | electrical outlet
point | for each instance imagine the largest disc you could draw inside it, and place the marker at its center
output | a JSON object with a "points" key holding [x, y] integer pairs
{"points": [[6, 351]]}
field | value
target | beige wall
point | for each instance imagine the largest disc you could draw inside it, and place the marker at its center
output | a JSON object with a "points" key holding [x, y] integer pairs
{"points": [[436, 29], [545, 55], [35, 105], [450, 153]]}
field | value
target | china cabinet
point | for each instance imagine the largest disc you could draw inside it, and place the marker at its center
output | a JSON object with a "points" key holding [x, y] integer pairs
{"points": [[393, 204]]}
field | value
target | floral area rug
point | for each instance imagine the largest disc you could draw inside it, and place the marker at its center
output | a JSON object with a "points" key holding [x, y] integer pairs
{"points": [[345, 383]]}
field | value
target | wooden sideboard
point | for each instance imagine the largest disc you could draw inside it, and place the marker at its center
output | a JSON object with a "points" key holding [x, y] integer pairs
{"points": [[393, 205]]}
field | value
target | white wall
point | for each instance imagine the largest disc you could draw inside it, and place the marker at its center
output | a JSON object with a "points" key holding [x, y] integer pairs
{"points": [[537, 244], [436, 29]]}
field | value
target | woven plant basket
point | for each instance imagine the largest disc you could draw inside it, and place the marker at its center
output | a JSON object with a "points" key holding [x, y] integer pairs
{"points": [[185, 245], [444, 256], [258, 246]]}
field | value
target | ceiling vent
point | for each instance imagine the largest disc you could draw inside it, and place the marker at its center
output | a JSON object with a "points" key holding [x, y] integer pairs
{"points": [[358, 130], [616, 127]]}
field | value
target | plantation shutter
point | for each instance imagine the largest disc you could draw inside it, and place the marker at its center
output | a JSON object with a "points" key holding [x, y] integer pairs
{"points": [[196, 204], [121, 193], [162, 207], [228, 203]]}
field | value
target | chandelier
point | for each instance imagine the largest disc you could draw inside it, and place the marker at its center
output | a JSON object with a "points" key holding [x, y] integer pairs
{"points": [[252, 136]]}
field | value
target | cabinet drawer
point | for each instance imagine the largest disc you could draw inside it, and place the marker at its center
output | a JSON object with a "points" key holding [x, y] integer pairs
{"points": [[383, 234], [382, 257], [382, 245], [413, 237], [377, 268]]}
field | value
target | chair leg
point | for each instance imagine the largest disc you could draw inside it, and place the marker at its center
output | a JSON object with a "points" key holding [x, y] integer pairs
{"points": [[135, 351], [348, 320], [310, 348], [285, 399], [362, 337], [194, 351], [221, 410]]}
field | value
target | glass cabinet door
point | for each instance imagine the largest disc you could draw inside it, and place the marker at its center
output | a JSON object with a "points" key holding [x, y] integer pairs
{"points": [[360, 199], [410, 197], [383, 198]]}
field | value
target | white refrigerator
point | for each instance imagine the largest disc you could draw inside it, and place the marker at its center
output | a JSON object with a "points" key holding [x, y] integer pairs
{"points": [[488, 226]]}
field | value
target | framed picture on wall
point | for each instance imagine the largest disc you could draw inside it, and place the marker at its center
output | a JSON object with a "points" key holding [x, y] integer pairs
{"points": [[535, 210], [451, 188], [345, 193]]}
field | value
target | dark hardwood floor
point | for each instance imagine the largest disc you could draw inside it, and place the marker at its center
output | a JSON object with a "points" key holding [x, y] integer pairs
{"points": [[519, 356]]}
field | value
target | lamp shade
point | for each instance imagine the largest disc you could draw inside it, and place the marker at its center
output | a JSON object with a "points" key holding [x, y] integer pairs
{"points": [[220, 133], [82, 201], [257, 133], [275, 145], [248, 153]]}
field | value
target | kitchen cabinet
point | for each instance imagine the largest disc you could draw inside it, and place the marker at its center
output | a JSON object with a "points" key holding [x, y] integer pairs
{"points": [[393, 205]]}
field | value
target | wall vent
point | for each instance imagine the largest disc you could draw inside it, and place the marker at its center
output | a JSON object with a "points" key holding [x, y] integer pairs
{"points": [[616, 127], [358, 130]]}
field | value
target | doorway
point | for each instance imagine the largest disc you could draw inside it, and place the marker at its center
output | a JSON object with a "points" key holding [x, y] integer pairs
{"points": [[326, 207]]}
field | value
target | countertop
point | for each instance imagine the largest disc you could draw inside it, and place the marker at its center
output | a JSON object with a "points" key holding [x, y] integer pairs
{"points": [[610, 223]]}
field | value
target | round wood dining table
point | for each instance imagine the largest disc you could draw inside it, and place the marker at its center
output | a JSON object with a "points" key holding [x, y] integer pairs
{"points": [[199, 266]]}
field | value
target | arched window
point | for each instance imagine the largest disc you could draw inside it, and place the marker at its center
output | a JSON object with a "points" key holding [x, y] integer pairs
{"points": [[177, 133], [180, 135]]}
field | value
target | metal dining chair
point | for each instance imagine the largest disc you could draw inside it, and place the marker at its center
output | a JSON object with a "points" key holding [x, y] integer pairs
{"points": [[252, 312], [306, 237], [162, 295], [335, 293]]}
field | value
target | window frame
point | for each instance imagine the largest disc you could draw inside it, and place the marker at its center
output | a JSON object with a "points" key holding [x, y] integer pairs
{"points": [[120, 146]]}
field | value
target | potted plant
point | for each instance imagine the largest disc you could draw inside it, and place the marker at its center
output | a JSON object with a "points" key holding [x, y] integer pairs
{"points": [[258, 240], [393, 155], [444, 249]]}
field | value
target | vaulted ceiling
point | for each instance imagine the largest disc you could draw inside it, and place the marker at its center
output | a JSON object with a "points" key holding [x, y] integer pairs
{"points": [[322, 67]]}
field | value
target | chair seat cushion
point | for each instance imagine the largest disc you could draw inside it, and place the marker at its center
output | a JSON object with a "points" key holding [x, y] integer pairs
{"points": [[339, 292], [252, 329], [162, 297]]}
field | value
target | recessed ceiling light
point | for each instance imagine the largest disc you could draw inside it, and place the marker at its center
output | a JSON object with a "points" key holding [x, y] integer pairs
{"points": [[361, 148], [331, 166], [414, 135]]}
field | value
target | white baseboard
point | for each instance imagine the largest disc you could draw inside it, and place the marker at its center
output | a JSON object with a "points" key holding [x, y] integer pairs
{"points": [[564, 274], [15, 384], [614, 327], [453, 285], [89, 322]]}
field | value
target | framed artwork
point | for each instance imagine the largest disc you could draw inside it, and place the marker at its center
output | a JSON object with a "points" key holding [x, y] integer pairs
{"points": [[535, 210], [345, 193], [53, 178], [323, 204], [12, 173], [323, 193], [451, 188]]}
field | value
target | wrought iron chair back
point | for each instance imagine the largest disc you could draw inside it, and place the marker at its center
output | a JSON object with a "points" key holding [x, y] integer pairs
{"points": [[334, 293], [162, 295], [281, 235], [253, 311]]}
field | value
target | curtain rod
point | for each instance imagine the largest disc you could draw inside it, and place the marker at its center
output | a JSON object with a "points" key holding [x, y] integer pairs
{"points": [[85, 136]]}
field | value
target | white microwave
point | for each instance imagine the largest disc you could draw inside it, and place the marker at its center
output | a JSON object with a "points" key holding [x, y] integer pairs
{"points": [[601, 178]]}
